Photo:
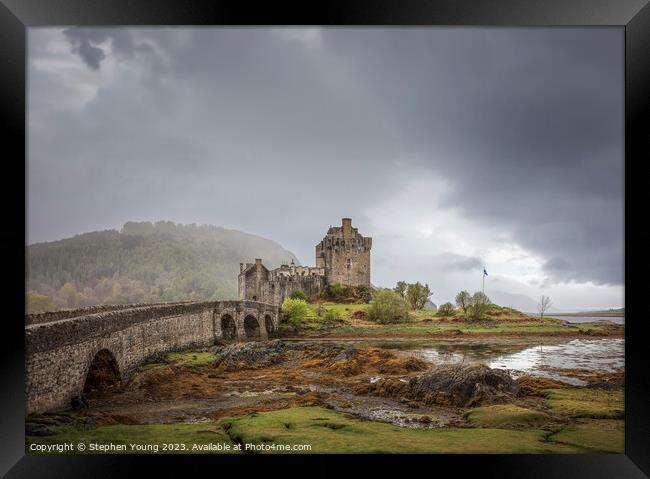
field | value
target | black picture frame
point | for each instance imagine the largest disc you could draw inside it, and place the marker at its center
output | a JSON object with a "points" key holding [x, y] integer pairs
{"points": [[632, 15]]}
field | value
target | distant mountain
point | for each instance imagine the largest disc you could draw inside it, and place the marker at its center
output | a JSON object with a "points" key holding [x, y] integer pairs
{"points": [[519, 302], [431, 305], [612, 312], [143, 262]]}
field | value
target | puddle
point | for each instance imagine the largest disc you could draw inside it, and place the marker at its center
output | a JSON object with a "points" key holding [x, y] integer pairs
{"points": [[403, 419], [198, 420], [252, 394]]}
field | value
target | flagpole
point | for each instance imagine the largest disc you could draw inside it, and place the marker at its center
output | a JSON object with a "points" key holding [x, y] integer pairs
{"points": [[483, 280]]}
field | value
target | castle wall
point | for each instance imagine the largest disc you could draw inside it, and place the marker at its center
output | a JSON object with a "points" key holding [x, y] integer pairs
{"points": [[277, 290], [251, 279]]}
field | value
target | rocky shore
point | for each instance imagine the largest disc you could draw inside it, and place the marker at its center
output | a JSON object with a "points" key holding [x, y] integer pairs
{"points": [[374, 385]]}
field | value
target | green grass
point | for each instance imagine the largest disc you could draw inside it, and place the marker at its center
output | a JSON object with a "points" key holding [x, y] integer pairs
{"points": [[498, 320], [147, 366], [586, 403], [328, 431], [191, 358], [503, 415], [186, 435], [344, 310], [432, 328], [597, 435]]}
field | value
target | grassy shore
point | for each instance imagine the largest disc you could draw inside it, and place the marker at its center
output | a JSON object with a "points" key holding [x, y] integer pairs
{"points": [[499, 430], [498, 320], [548, 418]]}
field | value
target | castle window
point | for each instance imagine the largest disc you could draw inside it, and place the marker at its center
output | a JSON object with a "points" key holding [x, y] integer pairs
{"points": [[349, 263]]}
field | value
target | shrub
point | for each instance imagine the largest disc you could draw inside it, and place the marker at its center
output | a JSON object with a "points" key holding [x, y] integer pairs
{"points": [[298, 294], [296, 311], [463, 300], [388, 307], [363, 293], [338, 292], [446, 309], [331, 316], [479, 305]]}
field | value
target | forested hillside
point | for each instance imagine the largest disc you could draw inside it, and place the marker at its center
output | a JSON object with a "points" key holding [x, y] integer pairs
{"points": [[143, 262]]}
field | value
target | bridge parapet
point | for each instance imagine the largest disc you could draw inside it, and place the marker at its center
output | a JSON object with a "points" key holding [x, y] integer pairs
{"points": [[50, 316]]}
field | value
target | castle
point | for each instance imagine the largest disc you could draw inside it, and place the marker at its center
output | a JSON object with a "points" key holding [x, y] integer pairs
{"points": [[343, 256]]}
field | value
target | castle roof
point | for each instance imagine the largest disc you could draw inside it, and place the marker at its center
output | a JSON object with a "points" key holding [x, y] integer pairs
{"points": [[251, 267]]}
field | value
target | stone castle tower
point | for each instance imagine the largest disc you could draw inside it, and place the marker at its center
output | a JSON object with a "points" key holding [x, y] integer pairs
{"points": [[345, 255]]}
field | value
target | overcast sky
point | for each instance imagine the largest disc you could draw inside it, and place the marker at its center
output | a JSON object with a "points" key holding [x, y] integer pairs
{"points": [[454, 148]]}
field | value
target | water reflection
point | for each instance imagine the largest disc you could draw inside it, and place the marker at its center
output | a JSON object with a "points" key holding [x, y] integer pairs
{"points": [[546, 359]]}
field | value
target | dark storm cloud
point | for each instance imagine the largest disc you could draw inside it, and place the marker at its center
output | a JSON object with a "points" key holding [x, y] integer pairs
{"points": [[90, 44], [83, 42], [527, 123], [277, 132]]}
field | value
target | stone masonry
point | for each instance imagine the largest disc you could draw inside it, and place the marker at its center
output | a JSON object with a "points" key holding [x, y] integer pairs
{"points": [[59, 353]]}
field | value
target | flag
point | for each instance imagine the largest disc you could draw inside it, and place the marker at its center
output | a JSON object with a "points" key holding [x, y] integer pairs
{"points": [[484, 272]]}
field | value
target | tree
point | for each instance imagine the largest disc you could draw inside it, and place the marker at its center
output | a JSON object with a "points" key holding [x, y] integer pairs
{"points": [[543, 305], [296, 311], [299, 294], [446, 309], [479, 305], [38, 303], [463, 300], [400, 288], [417, 295], [68, 294], [388, 307]]}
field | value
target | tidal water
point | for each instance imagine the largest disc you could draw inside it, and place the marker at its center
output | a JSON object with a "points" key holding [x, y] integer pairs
{"points": [[545, 359], [585, 319]]}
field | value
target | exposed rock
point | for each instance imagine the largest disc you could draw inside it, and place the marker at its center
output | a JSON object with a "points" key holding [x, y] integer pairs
{"points": [[36, 429], [449, 385], [463, 385], [249, 355]]}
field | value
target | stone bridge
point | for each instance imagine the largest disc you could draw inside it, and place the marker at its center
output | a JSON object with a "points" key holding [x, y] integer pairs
{"points": [[67, 350]]}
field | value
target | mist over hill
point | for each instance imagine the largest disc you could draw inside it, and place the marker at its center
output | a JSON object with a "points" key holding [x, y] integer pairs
{"points": [[143, 262]]}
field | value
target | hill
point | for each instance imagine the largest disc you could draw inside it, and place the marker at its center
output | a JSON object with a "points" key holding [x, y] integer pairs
{"points": [[520, 302], [143, 262]]}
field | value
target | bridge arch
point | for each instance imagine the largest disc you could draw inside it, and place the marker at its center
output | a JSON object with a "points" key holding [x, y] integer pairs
{"points": [[252, 327], [103, 373], [228, 327]]}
